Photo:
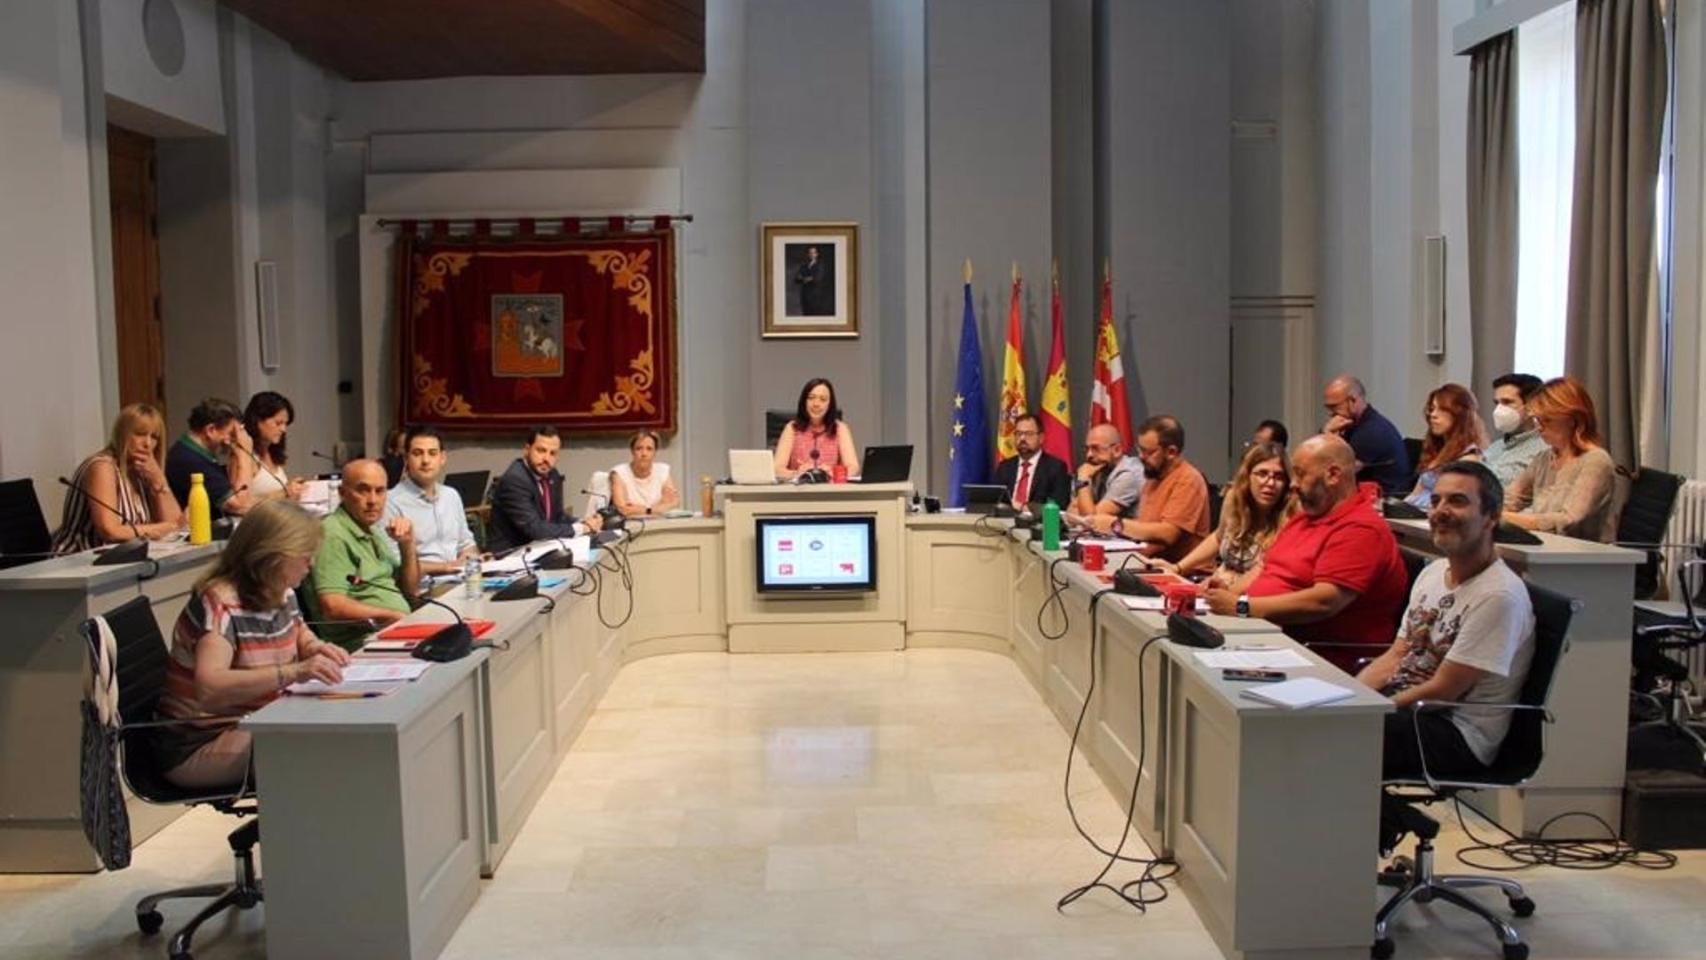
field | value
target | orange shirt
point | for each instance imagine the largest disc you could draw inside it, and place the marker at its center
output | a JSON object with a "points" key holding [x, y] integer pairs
{"points": [[1179, 498]]}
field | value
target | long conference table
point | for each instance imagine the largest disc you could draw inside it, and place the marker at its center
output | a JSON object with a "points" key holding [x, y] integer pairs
{"points": [[382, 815]]}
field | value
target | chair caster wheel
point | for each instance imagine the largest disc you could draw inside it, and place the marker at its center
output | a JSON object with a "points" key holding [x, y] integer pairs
{"points": [[1382, 949], [1424, 895], [1516, 951], [1522, 906], [150, 922]]}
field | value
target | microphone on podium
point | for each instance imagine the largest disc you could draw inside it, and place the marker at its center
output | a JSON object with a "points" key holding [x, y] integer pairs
{"points": [[453, 642], [135, 551]]}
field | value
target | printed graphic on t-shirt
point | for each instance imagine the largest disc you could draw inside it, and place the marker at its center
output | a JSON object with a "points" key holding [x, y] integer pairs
{"points": [[1430, 629]]}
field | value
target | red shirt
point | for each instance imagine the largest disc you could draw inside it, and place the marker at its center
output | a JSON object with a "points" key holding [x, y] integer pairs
{"points": [[1350, 546]]}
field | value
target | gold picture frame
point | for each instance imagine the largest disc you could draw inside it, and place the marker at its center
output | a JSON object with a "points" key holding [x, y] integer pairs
{"points": [[810, 278]]}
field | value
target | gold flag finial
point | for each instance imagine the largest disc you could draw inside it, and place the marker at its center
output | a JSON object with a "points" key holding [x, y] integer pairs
{"points": [[1015, 271], [1054, 271], [968, 269]]}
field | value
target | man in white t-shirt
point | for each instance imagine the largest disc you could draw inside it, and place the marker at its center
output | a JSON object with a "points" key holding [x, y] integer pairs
{"points": [[1467, 636]]}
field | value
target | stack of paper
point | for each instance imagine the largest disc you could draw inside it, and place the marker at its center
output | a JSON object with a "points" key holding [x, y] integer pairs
{"points": [[1298, 693], [364, 679], [580, 547], [1247, 659]]}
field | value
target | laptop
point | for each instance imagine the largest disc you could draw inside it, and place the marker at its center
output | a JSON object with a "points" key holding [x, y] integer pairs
{"points": [[886, 464], [469, 485], [984, 497], [752, 467]]}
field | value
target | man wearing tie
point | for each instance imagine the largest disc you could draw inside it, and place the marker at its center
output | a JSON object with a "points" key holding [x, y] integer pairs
{"points": [[528, 503], [1032, 476]]}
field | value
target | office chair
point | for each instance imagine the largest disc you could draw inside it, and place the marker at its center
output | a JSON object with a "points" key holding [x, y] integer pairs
{"points": [[1518, 758], [23, 529], [1642, 522], [139, 666], [470, 485], [1352, 657], [774, 422], [1216, 500], [1659, 651]]}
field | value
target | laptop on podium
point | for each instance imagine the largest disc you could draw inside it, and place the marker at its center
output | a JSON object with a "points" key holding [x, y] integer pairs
{"points": [[886, 464]]}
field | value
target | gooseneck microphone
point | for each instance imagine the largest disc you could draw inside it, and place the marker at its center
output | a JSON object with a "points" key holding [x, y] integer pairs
{"points": [[453, 642], [136, 551]]}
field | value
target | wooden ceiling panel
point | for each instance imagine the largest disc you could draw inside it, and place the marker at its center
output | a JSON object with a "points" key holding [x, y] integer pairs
{"points": [[419, 39]]}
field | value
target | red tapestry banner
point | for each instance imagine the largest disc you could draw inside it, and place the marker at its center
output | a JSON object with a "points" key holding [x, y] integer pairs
{"points": [[573, 331]]}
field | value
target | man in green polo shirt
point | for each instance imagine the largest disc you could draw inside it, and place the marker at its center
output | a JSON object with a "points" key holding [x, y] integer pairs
{"points": [[357, 573]]}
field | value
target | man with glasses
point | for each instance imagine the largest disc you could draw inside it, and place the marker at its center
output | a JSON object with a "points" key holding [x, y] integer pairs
{"points": [[1032, 476], [1109, 482], [1172, 512], [1378, 445]]}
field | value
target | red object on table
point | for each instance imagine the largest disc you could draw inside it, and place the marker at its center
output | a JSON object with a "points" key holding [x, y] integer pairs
{"points": [[420, 631]]}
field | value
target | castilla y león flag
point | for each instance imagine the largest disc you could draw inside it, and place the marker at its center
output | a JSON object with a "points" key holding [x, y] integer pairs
{"points": [[1056, 409]]}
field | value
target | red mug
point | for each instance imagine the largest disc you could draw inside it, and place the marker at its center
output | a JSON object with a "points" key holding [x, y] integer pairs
{"points": [[1094, 556], [838, 474], [1180, 598]]}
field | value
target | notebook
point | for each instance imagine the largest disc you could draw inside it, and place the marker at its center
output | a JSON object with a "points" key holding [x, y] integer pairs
{"points": [[1297, 693]]}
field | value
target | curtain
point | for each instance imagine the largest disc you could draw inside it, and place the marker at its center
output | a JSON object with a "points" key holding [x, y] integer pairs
{"points": [[1612, 326], [1492, 208]]}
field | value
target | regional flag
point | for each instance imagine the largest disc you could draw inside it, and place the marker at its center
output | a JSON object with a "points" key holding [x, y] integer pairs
{"points": [[1056, 411], [1013, 399], [1107, 390], [968, 437]]}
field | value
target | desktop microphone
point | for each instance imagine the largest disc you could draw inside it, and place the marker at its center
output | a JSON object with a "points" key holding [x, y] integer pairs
{"points": [[453, 642], [816, 474], [135, 551]]}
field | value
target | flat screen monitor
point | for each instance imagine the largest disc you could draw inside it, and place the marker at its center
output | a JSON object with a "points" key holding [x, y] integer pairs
{"points": [[827, 553]]}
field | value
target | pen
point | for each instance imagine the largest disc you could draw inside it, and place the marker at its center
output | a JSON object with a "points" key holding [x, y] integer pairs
{"points": [[353, 695]]}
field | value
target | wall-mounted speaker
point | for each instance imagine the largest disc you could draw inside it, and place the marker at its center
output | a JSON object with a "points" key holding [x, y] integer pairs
{"points": [[266, 309], [1433, 296]]}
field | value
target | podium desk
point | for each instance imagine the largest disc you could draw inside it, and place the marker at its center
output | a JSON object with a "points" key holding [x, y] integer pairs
{"points": [[798, 624], [42, 664], [1584, 764]]}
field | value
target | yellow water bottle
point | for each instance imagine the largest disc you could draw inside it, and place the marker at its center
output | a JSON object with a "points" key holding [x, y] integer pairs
{"points": [[201, 511]]}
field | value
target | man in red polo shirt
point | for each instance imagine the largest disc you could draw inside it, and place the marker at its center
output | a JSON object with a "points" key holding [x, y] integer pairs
{"points": [[1333, 576]]}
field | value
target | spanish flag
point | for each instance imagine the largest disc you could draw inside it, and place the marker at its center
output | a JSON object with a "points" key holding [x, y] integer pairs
{"points": [[1013, 401], [1056, 410], [1107, 389]]}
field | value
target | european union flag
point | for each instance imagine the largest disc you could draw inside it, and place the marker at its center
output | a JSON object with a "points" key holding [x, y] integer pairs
{"points": [[968, 438]]}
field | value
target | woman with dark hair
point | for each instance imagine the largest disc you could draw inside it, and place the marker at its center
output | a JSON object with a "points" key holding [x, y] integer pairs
{"points": [[267, 420], [1568, 487], [1258, 503], [816, 438], [1455, 432]]}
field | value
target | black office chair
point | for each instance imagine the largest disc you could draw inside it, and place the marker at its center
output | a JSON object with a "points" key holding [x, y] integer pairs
{"points": [[1660, 650], [1415, 562], [23, 530], [140, 668], [774, 421], [1518, 758], [1413, 450], [1642, 523], [1216, 499]]}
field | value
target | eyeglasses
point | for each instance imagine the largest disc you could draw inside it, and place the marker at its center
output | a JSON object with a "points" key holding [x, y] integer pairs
{"points": [[1025, 433], [1267, 476]]}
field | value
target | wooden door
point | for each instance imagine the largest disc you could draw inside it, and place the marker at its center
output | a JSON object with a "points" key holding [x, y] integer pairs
{"points": [[136, 268]]}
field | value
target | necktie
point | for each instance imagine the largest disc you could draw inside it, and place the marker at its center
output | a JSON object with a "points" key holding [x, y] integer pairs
{"points": [[545, 497], [1022, 492]]}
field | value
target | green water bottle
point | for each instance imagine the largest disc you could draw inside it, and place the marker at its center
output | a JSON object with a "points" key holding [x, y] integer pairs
{"points": [[1051, 526]]}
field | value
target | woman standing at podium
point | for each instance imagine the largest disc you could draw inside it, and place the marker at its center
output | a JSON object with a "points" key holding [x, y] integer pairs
{"points": [[816, 438], [127, 476]]}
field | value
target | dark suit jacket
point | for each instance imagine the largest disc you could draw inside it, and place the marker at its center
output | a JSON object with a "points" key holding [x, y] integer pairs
{"points": [[518, 513], [1053, 481]]}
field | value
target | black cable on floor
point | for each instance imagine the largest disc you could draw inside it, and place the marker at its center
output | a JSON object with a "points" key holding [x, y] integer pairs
{"points": [[617, 551], [1564, 853], [1155, 870]]}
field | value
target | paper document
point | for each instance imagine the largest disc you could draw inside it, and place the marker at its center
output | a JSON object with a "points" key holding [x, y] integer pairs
{"points": [[580, 547], [1157, 604], [1110, 544], [364, 678], [1298, 693], [1252, 659]]}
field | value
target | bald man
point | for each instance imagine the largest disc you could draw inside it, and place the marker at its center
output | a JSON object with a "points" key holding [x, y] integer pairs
{"points": [[1109, 481], [1333, 578], [384, 569], [1379, 446]]}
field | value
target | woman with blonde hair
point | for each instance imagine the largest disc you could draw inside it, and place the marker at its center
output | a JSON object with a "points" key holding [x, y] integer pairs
{"points": [[238, 643], [1455, 432], [128, 474], [1256, 506], [642, 487], [1568, 487]]}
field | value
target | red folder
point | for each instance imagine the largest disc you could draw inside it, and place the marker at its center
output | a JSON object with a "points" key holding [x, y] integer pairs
{"points": [[420, 631]]}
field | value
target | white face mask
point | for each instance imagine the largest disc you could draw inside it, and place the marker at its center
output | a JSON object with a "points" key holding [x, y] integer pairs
{"points": [[1506, 419]]}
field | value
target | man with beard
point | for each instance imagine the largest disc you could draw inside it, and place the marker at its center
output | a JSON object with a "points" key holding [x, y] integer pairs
{"points": [[1333, 575], [1109, 482], [1172, 512], [1032, 476], [1467, 636], [218, 448]]}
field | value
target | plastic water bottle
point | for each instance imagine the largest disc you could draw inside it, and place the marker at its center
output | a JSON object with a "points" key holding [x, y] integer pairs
{"points": [[201, 510], [473, 583], [1051, 526]]}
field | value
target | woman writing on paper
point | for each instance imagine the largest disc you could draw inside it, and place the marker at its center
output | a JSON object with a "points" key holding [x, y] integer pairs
{"points": [[239, 642], [267, 421], [1256, 506], [816, 439]]}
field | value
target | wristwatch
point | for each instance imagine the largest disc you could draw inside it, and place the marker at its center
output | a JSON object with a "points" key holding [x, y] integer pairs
{"points": [[1243, 608]]}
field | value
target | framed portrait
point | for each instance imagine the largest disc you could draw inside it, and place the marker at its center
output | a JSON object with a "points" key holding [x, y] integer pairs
{"points": [[811, 279]]}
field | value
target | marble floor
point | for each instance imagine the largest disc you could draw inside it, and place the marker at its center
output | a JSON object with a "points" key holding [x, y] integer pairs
{"points": [[825, 806]]}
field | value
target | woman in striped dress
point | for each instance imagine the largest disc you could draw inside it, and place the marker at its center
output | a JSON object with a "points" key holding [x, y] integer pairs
{"points": [[239, 642], [127, 474]]}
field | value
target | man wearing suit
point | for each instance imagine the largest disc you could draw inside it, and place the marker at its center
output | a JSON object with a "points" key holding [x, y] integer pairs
{"points": [[528, 503], [1033, 476]]}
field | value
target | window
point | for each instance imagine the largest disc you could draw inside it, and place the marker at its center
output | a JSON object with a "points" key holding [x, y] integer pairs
{"points": [[1546, 149]]}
